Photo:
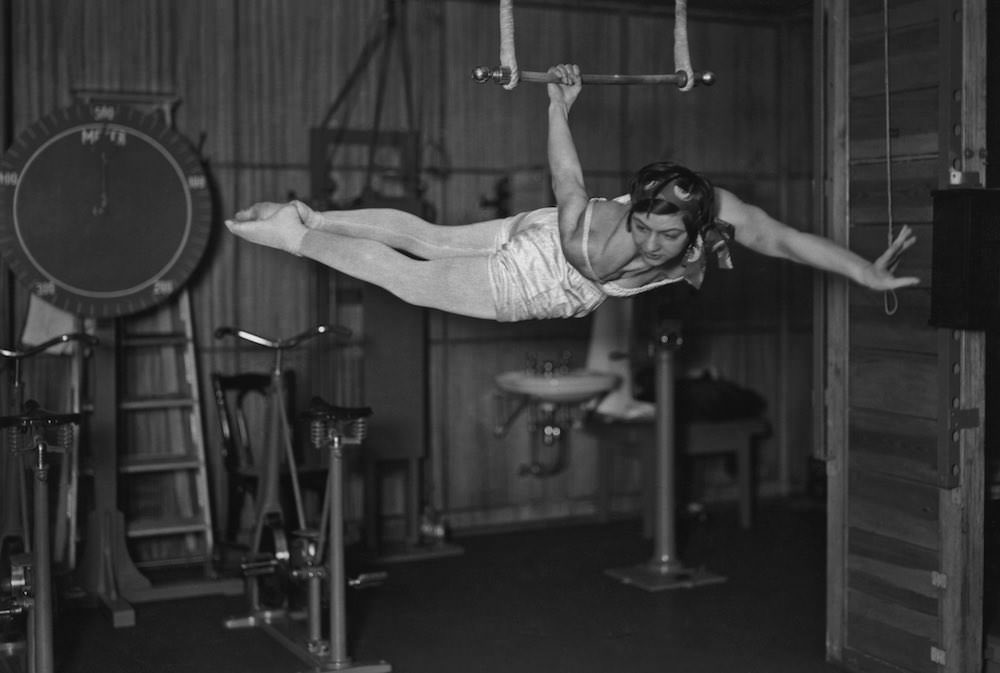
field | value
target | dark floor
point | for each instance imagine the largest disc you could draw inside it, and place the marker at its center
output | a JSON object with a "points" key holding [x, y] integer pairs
{"points": [[530, 601]]}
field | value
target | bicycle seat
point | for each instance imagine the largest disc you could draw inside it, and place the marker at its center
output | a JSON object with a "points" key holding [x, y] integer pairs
{"points": [[320, 409], [34, 415]]}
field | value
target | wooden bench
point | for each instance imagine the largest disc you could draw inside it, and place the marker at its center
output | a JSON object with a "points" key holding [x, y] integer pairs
{"points": [[738, 437]]}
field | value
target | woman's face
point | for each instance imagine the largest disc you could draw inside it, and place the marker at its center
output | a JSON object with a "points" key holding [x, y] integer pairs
{"points": [[660, 238]]}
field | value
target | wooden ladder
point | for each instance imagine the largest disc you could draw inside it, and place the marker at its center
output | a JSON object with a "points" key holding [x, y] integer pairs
{"points": [[163, 474], [152, 506]]}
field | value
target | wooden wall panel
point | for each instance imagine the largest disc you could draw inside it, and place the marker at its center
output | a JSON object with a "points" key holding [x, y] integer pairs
{"points": [[894, 545], [912, 183], [912, 621], [913, 116], [907, 331], [900, 510], [900, 594], [887, 443], [883, 552], [912, 60], [866, 15], [899, 382], [884, 642]]}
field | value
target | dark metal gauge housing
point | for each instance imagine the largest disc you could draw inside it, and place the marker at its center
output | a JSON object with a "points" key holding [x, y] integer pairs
{"points": [[104, 210]]}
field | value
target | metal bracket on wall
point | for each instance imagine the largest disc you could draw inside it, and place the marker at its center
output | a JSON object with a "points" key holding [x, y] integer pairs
{"points": [[959, 418], [962, 419]]}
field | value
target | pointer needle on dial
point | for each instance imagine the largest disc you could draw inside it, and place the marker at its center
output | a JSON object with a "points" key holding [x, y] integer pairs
{"points": [[102, 206]]}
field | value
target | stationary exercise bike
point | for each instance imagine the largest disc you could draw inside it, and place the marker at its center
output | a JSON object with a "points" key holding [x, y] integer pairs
{"points": [[276, 445], [33, 433], [272, 558]]}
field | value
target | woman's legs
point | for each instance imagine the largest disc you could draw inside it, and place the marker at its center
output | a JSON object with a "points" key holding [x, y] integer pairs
{"points": [[457, 284], [403, 231]]}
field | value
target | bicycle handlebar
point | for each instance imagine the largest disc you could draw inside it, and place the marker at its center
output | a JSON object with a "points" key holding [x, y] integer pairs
{"points": [[280, 344], [87, 339]]}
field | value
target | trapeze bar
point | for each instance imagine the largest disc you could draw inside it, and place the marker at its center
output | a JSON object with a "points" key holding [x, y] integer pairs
{"points": [[502, 76]]}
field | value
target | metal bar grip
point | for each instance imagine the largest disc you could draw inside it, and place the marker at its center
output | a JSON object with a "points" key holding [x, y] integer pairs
{"points": [[501, 75]]}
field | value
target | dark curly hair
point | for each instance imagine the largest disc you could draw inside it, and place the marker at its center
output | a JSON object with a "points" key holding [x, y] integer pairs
{"points": [[666, 188]]}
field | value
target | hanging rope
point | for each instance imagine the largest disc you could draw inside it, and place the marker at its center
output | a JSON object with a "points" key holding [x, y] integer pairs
{"points": [[508, 59], [509, 75], [889, 301], [682, 57]]}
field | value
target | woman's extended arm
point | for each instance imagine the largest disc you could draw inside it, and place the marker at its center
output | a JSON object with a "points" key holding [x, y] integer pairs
{"points": [[762, 233], [564, 164]]}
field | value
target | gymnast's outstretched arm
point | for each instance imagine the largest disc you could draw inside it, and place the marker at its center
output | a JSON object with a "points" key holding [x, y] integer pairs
{"points": [[564, 163], [760, 232]]}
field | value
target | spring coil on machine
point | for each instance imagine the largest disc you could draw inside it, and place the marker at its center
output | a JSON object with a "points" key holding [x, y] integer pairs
{"points": [[13, 438], [359, 428], [317, 431], [17, 438], [64, 436], [322, 430]]}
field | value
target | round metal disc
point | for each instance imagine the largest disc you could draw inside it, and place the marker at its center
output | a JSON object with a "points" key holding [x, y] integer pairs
{"points": [[104, 210]]}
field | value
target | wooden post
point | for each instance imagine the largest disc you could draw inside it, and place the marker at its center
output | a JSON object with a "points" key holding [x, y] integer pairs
{"points": [[108, 571], [832, 327], [963, 46]]}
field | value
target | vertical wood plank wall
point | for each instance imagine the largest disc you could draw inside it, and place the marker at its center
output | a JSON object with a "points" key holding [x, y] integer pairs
{"points": [[893, 540], [905, 534], [254, 76]]}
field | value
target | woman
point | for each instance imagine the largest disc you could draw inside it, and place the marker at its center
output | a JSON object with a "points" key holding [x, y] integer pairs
{"points": [[556, 262]]}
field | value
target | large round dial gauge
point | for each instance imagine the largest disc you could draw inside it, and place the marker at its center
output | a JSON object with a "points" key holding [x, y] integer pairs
{"points": [[104, 210]]}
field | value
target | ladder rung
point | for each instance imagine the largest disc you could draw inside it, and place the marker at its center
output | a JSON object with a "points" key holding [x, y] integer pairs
{"points": [[150, 340], [155, 527], [158, 463], [160, 402]]}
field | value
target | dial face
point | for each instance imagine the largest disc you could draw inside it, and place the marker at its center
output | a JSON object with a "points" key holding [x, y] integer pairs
{"points": [[104, 210]]}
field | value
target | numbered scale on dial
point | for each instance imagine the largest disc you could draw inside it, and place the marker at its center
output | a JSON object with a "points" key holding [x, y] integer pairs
{"points": [[104, 210]]}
